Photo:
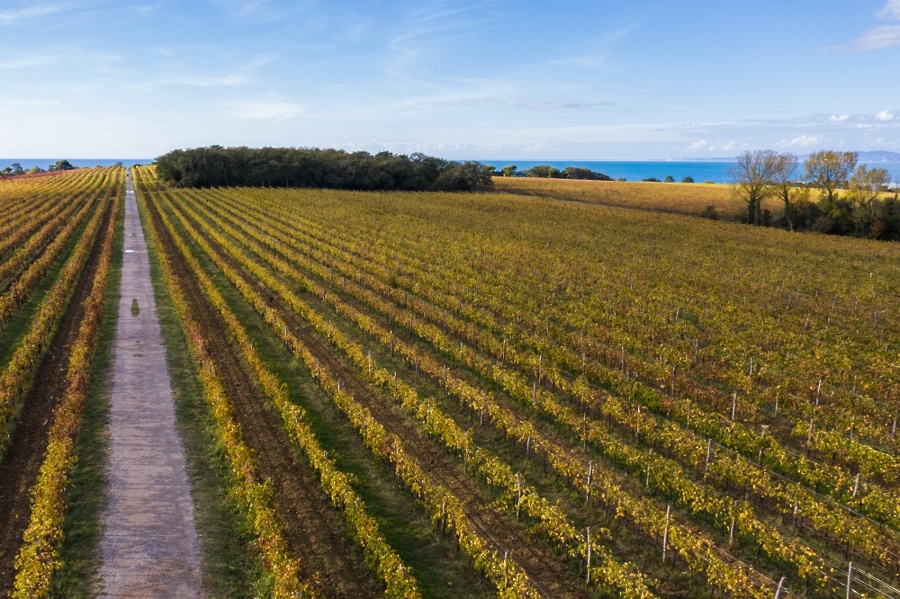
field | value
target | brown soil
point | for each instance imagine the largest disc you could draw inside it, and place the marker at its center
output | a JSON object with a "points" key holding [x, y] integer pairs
{"points": [[19, 469], [547, 572], [312, 528]]}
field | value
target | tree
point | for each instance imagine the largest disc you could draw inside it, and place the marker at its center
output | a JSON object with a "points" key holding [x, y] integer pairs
{"points": [[510, 171], [312, 167], [61, 165], [829, 171], [17, 168], [687, 179], [864, 186], [581, 173], [754, 172], [544, 171], [669, 179], [784, 178]]}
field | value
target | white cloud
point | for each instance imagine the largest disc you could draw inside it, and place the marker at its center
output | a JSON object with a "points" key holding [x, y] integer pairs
{"points": [[263, 110], [890, 11], [229, 80], [14, 105], [435, 28], [802, 141], [32, 12], [878, 38], [703, 145], [29, 61], [838, 118], [593, 53], [884, 115]]}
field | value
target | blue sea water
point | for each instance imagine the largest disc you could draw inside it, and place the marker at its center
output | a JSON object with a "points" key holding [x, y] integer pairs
{"points": [[630, 170], [634, 170], [45, 163]]}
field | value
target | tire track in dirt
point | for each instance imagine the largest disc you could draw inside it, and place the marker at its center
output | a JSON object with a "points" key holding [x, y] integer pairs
{"points": [[547, 572], [311, 527], [19, 469]]}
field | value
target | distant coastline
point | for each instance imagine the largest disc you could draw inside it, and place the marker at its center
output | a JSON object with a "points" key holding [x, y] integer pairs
{"points": [[709, 170], [44, 163], [715, 170]]}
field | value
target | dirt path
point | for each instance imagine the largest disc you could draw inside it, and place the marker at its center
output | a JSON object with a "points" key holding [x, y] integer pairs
{"points": [[149, 544]]}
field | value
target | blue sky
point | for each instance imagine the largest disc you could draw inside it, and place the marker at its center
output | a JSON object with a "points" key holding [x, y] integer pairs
{"points": [[461, 79]]}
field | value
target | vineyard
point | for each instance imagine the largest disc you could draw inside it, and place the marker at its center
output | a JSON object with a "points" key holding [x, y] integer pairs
{"points": [[497, 394], [588, 401], [679, 198], [56, 247]]}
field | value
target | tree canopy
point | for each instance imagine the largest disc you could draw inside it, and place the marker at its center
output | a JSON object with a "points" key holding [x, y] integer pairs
{"points": [[829, 170], [312, 167], [61, 165], [755, 172], [546, 171], [851, 198]]}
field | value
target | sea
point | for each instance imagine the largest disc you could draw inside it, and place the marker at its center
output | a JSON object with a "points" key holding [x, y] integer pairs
{"points": [[637, 170], [45, 163], [630, 170]]}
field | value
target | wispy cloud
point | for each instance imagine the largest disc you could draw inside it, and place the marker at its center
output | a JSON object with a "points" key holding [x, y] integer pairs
{"points": [[184, 76], [885, 115], [265, 11], [195, 80], [512, 104], [16, 15], [595, 52], [268, 109], [14, 105], [838, 118], [877, 38], [433, 29], [890, 11], [146, 10], [30, 61]]}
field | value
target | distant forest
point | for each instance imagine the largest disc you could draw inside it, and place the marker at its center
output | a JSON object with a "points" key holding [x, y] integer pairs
{"points": [[216, 166]]}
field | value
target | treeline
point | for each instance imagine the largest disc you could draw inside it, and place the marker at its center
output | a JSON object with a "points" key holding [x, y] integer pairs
{"points": [[853, 200], [545, 171], [15, 169], [215, 166]]}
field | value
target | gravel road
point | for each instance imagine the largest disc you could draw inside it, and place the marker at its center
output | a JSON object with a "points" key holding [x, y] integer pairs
{"points": [[149, 543]]}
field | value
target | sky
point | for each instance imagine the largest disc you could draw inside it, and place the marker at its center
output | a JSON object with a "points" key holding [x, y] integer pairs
{"points": [[459, 79]]}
